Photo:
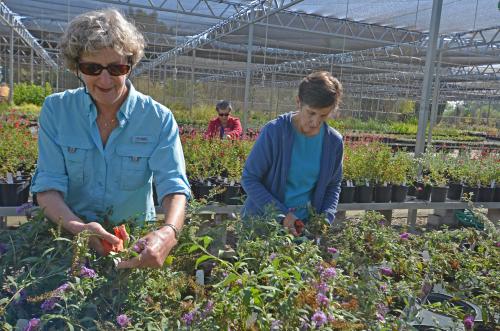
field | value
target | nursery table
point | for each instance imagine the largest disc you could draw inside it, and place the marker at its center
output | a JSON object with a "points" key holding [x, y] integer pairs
{"points": [[411, 205]]}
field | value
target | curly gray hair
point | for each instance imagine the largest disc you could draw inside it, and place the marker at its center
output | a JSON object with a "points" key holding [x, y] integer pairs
{"points": [[92, 31]]}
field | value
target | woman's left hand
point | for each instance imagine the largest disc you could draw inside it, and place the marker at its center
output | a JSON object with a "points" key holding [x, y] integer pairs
{"points": [[153, 249]]}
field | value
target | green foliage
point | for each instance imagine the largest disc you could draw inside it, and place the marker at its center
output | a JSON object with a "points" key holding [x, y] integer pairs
{"points": [[271, 279], [215, 157], [18, 146], [25, 93]]}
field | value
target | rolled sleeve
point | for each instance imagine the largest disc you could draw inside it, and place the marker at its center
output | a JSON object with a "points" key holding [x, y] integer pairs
{"points": [[51, 171], [167, 162]]}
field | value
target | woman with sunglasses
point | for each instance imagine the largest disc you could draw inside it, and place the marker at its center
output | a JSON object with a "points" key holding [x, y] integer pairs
{"points": [[296, 162], [100, 145], [224, 126]]}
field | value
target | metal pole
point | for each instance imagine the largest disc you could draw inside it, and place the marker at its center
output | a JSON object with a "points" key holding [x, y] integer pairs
{"points": [[271, 97], [11, 66], [191, 99], [249, 72], [435, 99], [31, 66], [437, 6]]}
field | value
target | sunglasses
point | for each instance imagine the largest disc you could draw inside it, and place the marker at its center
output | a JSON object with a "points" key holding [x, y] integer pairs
{"points": [[224, 114], [95, 69]]}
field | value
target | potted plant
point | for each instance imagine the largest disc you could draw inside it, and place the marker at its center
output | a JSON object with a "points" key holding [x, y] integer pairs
{"points": [[400, 168], [489, 166], [472, 172], [456, 175], [383, 174], [347, 189], [363, 173], [437, 172]]}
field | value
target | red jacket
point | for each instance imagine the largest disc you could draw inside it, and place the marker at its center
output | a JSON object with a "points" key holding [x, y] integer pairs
{"points": [[233, 128]]}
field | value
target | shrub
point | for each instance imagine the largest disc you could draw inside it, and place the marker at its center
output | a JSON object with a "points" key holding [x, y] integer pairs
{"points": [[25, 93]]}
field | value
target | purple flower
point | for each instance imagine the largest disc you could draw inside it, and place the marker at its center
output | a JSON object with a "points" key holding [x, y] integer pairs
{"points": [[33, 325], [239, 282], [382, 309], [319, 318], [380, 317], [322, 287], [329, 273], [404, 236], [188, 318], [322, 299], [23, 207], [272, 256], [469, 322], [497, 244], [383, 287], [62, 288], [386, 271], [49, 304], [332, 250], [276, 325], [122, 320], [209, 308], [87, 273]]}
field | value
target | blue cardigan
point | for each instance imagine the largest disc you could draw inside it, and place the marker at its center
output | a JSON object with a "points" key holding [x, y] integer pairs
{"points": [[266, 170]]}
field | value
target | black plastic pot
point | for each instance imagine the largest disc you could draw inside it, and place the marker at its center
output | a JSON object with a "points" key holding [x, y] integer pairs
{"points": [[455, 191], [467, 307], [470, 189], [398, 193], [383, 193], [364, 194], [14, 194], [486, 194], [496, 195], [438, 193], [347, 194], [423, 191], [232, 195], [201, 190], [412, 190]]}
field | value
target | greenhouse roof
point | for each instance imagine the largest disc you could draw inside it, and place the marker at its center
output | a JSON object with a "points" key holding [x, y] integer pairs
{"points": [[379, 43]]}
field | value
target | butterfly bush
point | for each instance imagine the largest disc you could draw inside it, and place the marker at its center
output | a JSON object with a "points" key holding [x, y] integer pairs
{"points": [[363, 276]]}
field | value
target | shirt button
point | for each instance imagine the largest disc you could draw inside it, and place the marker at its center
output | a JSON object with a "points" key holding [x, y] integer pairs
{"points": [[99, 183]]}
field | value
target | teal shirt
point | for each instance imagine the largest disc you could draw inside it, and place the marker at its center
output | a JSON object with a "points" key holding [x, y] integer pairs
{"points": [[114, 182], [304, 172]]}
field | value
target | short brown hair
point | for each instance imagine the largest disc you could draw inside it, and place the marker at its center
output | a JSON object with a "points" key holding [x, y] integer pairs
{"points": [[93, 31], [320, 89]]}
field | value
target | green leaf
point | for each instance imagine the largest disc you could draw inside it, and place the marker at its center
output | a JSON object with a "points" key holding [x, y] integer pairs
{"points": [[63, 239], [169, 260], [229, 279], [48, 251], [206, 241], [201, 259], [193, 248]]}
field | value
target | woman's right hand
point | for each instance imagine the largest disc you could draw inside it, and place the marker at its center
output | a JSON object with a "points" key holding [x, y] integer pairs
{"points": [[289, 224], [98, 233]]}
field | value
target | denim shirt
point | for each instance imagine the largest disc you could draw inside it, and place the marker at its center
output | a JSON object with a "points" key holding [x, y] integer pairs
{"points": [[112, 182]]}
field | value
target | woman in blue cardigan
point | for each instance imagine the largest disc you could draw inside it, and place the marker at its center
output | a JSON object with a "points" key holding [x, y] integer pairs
{"points": [[296, 162]]}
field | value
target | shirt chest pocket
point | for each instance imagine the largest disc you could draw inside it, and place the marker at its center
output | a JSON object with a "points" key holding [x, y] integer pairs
{"points": [[76, 154], [135, 171]]}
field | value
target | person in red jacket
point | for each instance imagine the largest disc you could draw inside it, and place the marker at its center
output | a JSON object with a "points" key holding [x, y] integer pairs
{"points": [[224, 126]]}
